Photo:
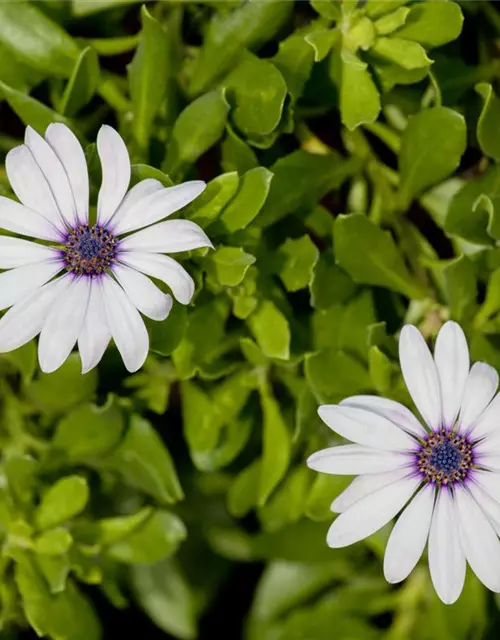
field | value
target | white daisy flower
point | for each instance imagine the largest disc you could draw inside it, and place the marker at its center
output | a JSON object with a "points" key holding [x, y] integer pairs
{"points": [[448, 473], [89, 285]]}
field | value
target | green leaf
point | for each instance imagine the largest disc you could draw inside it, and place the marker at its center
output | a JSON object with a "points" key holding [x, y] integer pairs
{"points": [[14, 73], [83, 8], [300, 180], [248, 26], [271, 330], [300, 256], [390, 74], [143, 462], [258, 91], [431, 148], [206, 325], [53, 542], [110, 530], [165, 595], [165, 336], [491, 304], [359, 97], [67, 615], [276, 447], [285, 586], [214, 433], [207, 207], [148, 75], [405, 53], [236, 154], [159, 537], [392, 21], [322, 41], [330, 284], [488, 135], [344, 326], [243, 491], [323, 491], [36, 40], [55, 570], [377, 8], [58, 392], [335, 374], [380, 369], [89, 430], [63, 500], [287, 504], [294, 60], [382, 265], [231, 265], [25, 360], [82, 84], [198, 128], [433, 23], [21, 472], [144, 171], [329, 9], [248, 202], [465, 218], [460, 286], [29, 110]]}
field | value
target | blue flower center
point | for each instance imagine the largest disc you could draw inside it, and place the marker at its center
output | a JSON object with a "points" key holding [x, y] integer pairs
{"points": [[445, 457], [89, 250]]}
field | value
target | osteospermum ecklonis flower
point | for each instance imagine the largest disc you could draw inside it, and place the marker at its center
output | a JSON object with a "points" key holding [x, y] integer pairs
{"points": [[88, 284], [444, 478]]}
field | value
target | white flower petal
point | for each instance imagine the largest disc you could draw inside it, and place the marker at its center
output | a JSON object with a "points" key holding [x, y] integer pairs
{"points": [[491, 462], [137, 199], [24, 320], [488, 423], [54, 173], [115, 163], [171, 236], [159, 205], [363, 486], [371, 513], [63, 324], [409, 536], [95, 334], [18, 283], [446, 557], [126, 325], [479, 540], [163, 268], [366, 428], [490, 445], [393, 411], [143, 293], [420, 374], [31, 187], [69, 151], [489, 505], [451, 354], [480, 387], [489, 482], [17, 253], [352, 459], [17, 218]]}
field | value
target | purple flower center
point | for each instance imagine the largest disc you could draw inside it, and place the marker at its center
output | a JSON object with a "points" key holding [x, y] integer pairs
{"points": [[445, 457], [89, 250]]}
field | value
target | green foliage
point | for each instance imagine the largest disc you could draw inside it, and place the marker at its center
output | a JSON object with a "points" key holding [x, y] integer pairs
{"points": [[351, 153]]}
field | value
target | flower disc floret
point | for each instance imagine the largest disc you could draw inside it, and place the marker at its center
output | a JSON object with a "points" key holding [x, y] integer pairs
{"points": [[445, 458], [89, 251]]}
